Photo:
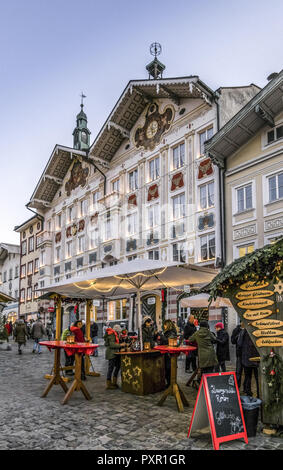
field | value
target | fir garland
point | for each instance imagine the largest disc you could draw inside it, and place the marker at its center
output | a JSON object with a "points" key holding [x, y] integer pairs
{"points": [[273, 371]]}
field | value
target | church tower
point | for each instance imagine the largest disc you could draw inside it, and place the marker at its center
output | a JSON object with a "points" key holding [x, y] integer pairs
{"points": [[81, 132]]}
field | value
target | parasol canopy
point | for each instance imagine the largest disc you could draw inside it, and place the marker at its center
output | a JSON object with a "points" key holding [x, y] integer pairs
{"points": [[202, 301]]}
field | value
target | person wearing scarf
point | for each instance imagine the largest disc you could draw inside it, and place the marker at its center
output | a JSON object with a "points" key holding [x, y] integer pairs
{"points": [[113, 345]]}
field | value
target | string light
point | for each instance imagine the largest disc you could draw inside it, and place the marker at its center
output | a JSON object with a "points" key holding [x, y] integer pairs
{"points": [[141, 274]]}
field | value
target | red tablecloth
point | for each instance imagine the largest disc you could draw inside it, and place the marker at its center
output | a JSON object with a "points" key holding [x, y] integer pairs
{"points": [[79, 348], [175, 349]]}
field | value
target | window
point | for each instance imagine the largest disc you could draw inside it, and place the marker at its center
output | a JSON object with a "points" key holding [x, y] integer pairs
{"points": [[57, 254], [245, 250], [154, 171], [23, 271], [179, 253], [24, 247], [94, 238], [153, 254], [16, 294], [83, 208], [68, 266], [31, 244], [132, 224], [116, 185], [178, 206], [95, 198], [81, 244], [117, 310], [108, 226], [80, 262], [69, 245], [16, 271], [23, 295], [30, 267], [207, 247], [92, 258], [42, 258], [244, 198], [206, 196], [203, 136], [5, 276], [153, 215], [29, 293], [275, 134], [275, 187], [58, 221], [36, 293], [133, 180], [70, 214], [56, 270], [36, 265], [10, 274], [178, 156]]}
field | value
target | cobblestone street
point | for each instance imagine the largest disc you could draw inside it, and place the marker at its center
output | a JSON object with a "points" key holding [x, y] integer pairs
{"points": [[112, 420]]}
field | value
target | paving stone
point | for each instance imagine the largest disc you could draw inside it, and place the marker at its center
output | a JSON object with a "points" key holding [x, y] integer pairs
{"points": [[112, 420]]}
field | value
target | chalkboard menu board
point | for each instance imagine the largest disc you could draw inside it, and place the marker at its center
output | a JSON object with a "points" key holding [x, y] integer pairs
{"points": [[218, 405]]}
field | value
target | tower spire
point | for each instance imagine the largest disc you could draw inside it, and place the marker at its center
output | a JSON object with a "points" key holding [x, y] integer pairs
{"points": [[155, 68], [81, 132]]}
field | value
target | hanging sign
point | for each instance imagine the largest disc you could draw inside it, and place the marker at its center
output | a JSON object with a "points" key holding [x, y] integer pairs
{"points": [[254, 294], [267, 332], [269, 342], [151, 300], [257, 314], [267, 323], [218, 405], [255, 303], [251, 285]]}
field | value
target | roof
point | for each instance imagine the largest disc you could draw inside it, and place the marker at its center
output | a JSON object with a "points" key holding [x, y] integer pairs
{"points": [[130, 105], [256, 114], [19, 228], [53, 175], [6, 248]]}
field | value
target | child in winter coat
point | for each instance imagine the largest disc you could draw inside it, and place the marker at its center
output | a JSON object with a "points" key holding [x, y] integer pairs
{"points": [[113, 345]]}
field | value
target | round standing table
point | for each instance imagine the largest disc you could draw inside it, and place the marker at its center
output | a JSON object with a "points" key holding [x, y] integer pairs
{"points": [[78, 349], [174, 389]]}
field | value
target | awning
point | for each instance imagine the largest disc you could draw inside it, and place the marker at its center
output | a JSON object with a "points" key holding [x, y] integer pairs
{"points": [[6, 298], [128, 277], [202, 301]]}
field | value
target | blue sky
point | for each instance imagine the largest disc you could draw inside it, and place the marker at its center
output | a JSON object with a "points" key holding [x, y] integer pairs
{"points": [[51, 50]]}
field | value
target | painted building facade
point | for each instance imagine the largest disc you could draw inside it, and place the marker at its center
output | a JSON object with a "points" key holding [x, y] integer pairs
{"points": [[143, 189]]}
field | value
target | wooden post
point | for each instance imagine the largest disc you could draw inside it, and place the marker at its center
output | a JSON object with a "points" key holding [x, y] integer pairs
{"points": [[140, 318], [58, 319], [87, 329]]}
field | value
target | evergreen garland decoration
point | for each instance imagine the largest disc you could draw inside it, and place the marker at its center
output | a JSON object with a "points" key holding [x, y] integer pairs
{"points": [[272, 368], [3, 331]]}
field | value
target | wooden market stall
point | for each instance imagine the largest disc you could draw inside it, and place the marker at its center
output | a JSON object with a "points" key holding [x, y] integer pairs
{"points": [[254, 285], [136, 277]]}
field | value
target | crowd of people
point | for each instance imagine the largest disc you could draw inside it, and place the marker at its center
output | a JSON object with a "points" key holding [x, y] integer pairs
{"points": [[210, 356]]}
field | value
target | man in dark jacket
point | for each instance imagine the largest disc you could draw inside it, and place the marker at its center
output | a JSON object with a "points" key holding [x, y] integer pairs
{"points": [[239, 365], [248, 350], [93, 335], [20, 334], [189, 330], [148, 334], [222, 347], [37, 332]]}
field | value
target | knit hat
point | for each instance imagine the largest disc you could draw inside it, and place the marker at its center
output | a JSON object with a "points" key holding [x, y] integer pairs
{"points": [[219, 325], [147, 318], [117, 328]]}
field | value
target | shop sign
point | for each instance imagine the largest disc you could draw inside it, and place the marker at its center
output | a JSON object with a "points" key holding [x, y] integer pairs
{"points": [[267, 323], [255, 303], [252, 285], [269, 342], [254, 294], [268, 332], [151, 301], [257, 314]]}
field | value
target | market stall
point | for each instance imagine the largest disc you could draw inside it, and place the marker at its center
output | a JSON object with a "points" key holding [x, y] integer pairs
{"points": [[125, 278], [254, 285]]}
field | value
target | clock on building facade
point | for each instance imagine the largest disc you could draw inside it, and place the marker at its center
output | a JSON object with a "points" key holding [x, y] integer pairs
{"points": [[155, 125]]}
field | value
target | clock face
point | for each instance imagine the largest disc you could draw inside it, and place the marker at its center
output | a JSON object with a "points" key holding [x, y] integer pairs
{"points": [[152, 129], [155, 125]]}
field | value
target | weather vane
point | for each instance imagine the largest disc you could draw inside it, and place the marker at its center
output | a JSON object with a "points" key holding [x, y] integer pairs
{"points": [[155, 49], [82, 97]]}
